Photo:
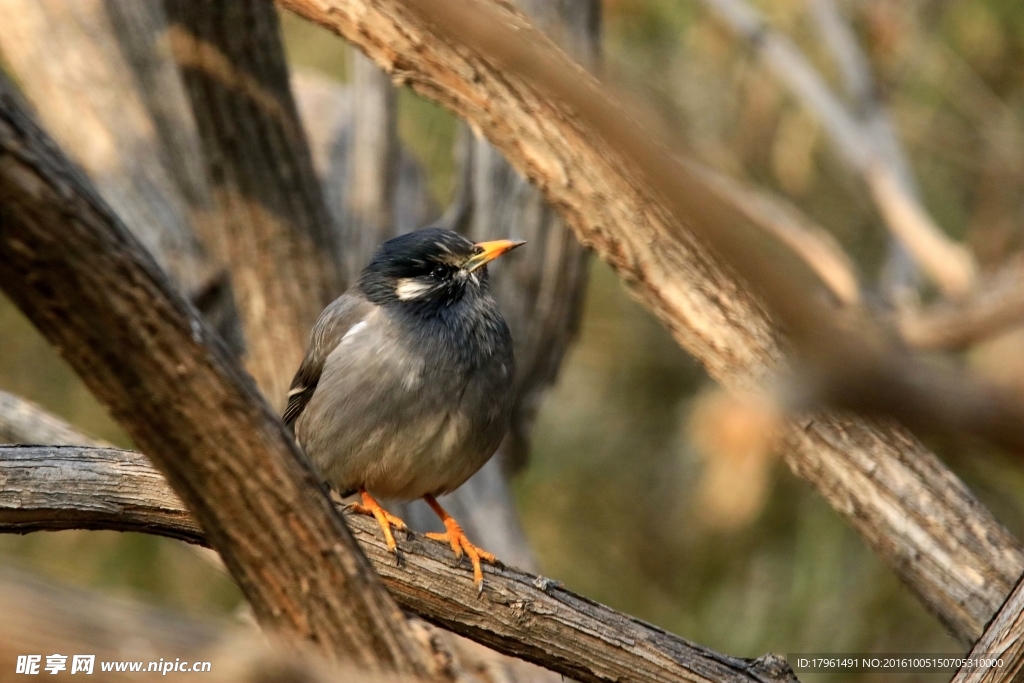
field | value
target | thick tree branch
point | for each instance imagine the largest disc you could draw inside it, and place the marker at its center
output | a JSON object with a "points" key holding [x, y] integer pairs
{"points": [[50, 487], [75, 271], [907, 506], [1003, 639]]}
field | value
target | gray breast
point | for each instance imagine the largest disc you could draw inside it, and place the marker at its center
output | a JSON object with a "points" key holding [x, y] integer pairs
{"points": [[406, 411]]}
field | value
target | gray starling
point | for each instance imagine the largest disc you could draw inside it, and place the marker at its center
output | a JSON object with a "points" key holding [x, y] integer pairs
{"points": [[407, 385]]}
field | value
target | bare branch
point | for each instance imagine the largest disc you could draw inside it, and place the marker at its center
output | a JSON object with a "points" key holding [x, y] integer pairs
{"points": [[995, 306], [907, 506], [1003, 639], [91, 289], [853, 65], [519, 614], [816, 246], [870, 148], [22, 421]]}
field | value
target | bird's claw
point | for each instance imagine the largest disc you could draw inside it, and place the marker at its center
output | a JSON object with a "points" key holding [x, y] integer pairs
{"points": [[460, 545], [385, 520]]}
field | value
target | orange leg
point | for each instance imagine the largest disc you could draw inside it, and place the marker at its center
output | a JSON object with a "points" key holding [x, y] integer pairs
{"points": [[384, 518], [455, 537]]}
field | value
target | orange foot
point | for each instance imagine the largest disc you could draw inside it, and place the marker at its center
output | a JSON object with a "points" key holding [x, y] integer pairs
{"points": [[456, 538], [384, 518]]}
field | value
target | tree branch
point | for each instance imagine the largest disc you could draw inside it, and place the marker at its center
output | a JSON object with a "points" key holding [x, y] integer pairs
{"points": [[869, 147], [22, 421], [1003, 639], [75, 271], [908, 507], [66, 487], [995, 306]]}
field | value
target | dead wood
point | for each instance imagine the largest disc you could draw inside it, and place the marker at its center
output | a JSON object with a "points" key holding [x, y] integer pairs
{"points": [[519, 614]]}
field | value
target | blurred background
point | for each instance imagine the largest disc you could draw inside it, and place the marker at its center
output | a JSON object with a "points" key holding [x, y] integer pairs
{"points": [[617, 501]]}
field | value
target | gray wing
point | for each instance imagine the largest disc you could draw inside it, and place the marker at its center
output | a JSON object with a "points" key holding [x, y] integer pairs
{"points": [[344, 312]]}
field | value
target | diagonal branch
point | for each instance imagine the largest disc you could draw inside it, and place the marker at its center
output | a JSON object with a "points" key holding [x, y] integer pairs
{"points": [[75, 271], [908, 507], [67, 487], [1003, 640]]}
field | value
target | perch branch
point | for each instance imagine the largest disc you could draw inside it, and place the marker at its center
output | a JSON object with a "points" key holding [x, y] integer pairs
{"points": [[526, 616]]}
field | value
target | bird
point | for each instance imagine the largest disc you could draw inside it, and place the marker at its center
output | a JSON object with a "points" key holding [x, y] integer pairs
{"points": [[406, 387]]}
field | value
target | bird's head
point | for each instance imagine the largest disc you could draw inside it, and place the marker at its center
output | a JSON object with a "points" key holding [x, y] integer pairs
{"points": [[430, 268]]}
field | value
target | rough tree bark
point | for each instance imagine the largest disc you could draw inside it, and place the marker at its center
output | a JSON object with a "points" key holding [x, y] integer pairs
{"points": [[74, 270], [908, 507], [277, 236], [1003, 639], [519, 614]]}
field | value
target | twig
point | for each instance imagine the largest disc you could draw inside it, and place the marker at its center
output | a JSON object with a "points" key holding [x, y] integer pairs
{"points": [[869, 147], [522, 615], [22, 421], [996, 305]]}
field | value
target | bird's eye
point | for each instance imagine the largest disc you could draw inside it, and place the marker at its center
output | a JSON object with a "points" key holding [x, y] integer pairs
{"points": [[440, 272]]}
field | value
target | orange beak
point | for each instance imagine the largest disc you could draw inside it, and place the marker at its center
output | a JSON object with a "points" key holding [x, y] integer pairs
{"points": [[488, 251]]}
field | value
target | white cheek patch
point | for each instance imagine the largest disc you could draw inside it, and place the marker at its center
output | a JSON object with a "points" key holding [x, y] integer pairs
{"points": [[412, 288]]}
